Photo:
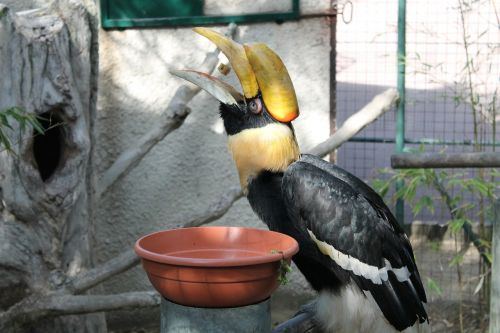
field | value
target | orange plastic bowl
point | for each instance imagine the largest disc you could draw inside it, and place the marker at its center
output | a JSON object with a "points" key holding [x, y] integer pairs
{"points": [[215, 266]]}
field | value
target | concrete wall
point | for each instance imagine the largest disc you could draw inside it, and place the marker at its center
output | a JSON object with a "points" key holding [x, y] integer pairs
{"points": [[191, 168]]}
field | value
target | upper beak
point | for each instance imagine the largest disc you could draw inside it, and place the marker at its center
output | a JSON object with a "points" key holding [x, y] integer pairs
{"points": [[258, 69]]}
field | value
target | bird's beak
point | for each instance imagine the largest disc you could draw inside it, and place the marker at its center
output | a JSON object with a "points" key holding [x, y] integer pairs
{"points": [[258, 69], [222, 91]]}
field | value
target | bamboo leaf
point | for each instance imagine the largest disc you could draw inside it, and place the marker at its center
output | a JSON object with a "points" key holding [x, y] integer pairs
{"points": [[424, 202], [456, 260], [432, 285], [479, 285]]}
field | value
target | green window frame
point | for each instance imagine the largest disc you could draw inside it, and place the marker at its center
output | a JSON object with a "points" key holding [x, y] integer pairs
{"points": [[121, 14]]}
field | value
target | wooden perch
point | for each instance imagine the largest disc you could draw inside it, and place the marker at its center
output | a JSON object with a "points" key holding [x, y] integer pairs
{"points": [[441, 160], [174, 117], [355, 123], [38, 306]]}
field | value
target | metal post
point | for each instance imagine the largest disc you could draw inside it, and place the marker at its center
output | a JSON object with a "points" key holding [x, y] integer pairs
{"points": [[177, 318], [400, 116], [495, 272]]}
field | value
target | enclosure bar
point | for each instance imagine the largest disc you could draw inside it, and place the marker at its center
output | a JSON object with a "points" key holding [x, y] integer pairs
{"points": [[441, 160], [400, 115], [333, 79], [495, 272]]}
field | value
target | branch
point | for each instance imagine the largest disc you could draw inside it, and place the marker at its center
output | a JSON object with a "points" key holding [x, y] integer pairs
{"points": [[36, 306], [216, 211], [96, 275], [355, 123], [174, 117]]}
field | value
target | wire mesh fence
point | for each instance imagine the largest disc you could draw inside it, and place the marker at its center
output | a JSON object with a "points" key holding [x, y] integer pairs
{"points": [[452, 86]]}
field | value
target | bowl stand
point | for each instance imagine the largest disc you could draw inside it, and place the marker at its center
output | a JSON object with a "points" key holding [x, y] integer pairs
{"points": [[177, 318]]}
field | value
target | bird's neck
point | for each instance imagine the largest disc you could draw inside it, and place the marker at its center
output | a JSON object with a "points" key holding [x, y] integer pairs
{"points": [[270, 148], [266, 200]]}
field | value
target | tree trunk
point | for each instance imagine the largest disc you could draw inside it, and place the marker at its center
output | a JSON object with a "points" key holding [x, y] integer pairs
{"points": [[48, 65]]}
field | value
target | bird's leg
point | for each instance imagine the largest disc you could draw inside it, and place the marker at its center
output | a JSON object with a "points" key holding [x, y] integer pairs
{"points": [[302, 322]]}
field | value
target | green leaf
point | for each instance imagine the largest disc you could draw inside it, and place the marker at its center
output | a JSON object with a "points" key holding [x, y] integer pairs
{"points": [[381, 186], [488, 256], [22, 118], [456, 260], [4, 140], [424, 202], [457, 224], [433, 286], [284, 269], [479, 285]]}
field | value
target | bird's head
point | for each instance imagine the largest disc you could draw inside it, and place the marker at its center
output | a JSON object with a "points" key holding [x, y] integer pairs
{"points": [[257, 122]]}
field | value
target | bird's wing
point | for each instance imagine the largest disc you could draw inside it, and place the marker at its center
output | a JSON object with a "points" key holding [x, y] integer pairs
{"points": [[351, 230], [378, 205]]}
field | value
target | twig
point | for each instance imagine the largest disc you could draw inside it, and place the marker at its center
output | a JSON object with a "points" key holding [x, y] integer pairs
{"points": [[355, 123], [174, 117]]}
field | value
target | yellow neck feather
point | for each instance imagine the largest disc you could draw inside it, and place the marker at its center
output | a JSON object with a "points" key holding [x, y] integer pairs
{"points": [[272, 147]]}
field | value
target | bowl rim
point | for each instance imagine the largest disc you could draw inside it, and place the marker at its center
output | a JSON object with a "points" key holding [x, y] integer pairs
{"points": [[225, 262]]}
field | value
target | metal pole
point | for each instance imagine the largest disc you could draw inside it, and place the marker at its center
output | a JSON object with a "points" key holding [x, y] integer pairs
{"points": [[495, 272], [177, 318], [400, 116]]}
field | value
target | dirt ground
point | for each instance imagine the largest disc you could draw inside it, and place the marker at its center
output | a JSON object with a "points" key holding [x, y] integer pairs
{"points": [[444, 317]]}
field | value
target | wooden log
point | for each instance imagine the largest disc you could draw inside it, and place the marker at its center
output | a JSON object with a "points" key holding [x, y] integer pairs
{"points": [[441, 160], [355, 123], [49, 68]]}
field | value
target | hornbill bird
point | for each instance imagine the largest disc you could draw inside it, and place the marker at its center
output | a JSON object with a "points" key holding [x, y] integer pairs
{"points": [[352, 250]]}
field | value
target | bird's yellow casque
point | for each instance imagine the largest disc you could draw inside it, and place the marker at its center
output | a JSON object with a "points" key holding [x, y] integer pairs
{"points": [[259, 69]]}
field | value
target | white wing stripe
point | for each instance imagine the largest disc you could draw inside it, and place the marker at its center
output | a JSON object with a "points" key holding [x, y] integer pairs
{"points": [[359, 268]]}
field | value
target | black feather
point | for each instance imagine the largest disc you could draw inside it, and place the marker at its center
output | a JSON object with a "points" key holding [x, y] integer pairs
{"points": [[344, 212]]}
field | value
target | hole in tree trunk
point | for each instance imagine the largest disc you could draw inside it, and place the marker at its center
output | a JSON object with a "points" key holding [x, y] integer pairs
{"points": [[47, 148]]}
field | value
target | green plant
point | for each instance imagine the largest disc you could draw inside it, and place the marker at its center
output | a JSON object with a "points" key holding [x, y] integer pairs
{"points": [[25, 120], [451, 188], [284, 269]]}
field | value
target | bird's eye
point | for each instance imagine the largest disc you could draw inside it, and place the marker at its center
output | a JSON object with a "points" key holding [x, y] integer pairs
{"points": [[255, 106]]}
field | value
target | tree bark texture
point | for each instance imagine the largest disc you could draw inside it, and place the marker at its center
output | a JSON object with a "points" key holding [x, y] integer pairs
{"points": [[47, 65]]}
